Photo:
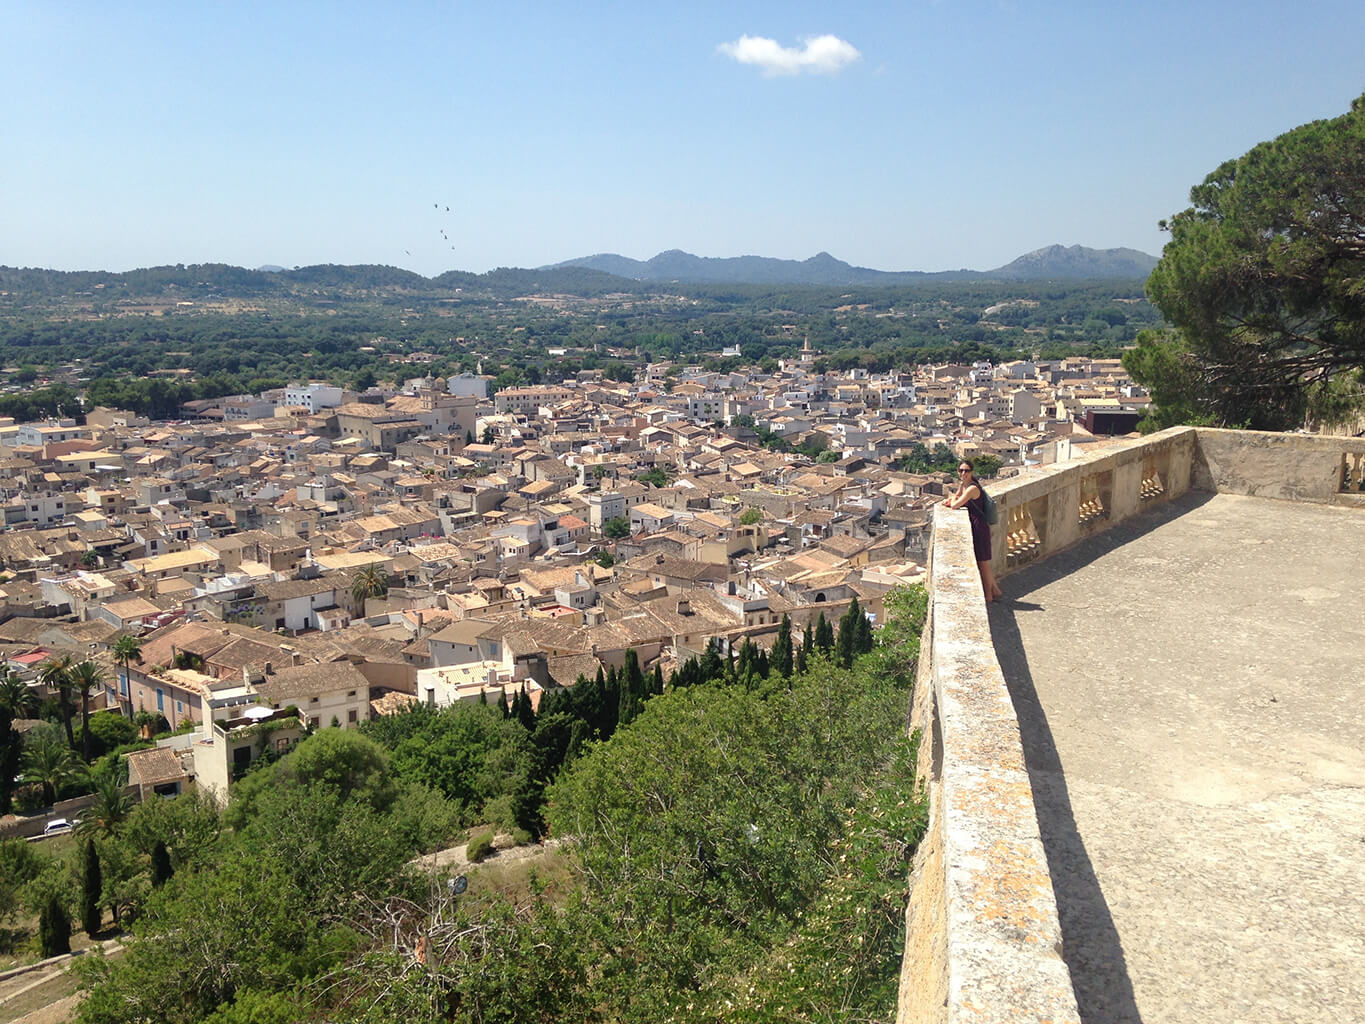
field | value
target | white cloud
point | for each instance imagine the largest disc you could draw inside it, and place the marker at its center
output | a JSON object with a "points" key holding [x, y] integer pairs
{"points": [[820, 55]]}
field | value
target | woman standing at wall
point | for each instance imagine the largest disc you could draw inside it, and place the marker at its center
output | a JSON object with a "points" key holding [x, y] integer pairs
{"points": [[969, 494]]}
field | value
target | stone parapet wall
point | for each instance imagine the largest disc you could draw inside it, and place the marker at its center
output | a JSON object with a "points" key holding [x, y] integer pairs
{"points": [[983, 941], [983, 937], [1047, 509], [1291, 467]]}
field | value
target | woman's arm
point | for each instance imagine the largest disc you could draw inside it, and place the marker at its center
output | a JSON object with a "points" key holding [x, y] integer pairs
{"points": [[963, 496]]}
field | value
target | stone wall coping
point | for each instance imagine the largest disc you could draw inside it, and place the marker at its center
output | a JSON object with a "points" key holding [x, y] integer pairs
{"points": [[1004, 945]]}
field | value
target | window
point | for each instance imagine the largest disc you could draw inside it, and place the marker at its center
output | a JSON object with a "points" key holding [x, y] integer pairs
{"points": [[179, 708], [351, 716], [160, 700], [350, 693], [312, 700]]}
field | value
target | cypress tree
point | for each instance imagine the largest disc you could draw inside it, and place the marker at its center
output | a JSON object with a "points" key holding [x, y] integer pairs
{"points": [[656, 686], [866, 640], [629, 707], [92, 883], [526, 713], [808, 641], [611, 702], [502, 704], [801, 659], [824, 635], [54, 927], [848, 635], [161, 865], [712, 665], [782, 659], [634, 677]]}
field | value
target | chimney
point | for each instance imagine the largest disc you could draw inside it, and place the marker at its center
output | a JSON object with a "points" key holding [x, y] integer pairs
{"points": [[684, 606], [269, 669]]}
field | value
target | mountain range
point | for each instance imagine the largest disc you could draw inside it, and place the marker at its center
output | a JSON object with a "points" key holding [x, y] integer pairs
{"points": [[1074, 262]]}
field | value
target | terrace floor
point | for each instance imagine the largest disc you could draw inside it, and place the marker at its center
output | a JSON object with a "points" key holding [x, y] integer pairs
{"points": [[1191, 690]]}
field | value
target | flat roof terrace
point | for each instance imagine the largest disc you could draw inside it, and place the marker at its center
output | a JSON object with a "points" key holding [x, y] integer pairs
{"points": [[1189, 688]]}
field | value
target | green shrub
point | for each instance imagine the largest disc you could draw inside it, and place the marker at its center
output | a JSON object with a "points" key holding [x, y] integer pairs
{"points": [[479, 847]]}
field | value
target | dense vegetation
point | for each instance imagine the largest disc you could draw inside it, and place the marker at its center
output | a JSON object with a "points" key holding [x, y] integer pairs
{"points": [[1264, 282], [230, 331], [739, 844]]}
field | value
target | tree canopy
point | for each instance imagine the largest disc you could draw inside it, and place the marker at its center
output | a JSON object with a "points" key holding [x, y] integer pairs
{"points": [[1264, 280]]}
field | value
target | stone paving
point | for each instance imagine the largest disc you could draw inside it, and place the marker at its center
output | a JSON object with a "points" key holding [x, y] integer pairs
{"points": [[1189, 686]]}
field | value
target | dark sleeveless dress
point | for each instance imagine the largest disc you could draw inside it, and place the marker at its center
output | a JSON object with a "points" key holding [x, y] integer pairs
{"points": [[981, 530]]}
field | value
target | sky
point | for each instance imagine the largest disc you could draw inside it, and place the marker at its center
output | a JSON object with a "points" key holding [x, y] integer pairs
{"points": [[448, 135]]}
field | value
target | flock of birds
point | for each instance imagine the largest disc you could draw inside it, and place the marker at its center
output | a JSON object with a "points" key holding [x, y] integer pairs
{"points": [[435, 206]]}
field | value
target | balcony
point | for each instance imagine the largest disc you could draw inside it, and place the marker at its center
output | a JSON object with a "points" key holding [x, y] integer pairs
{"points": [[1146, 766]]}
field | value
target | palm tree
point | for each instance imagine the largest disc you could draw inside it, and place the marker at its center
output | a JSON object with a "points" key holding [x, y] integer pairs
{"points": [[55, 673], [86, 677], [49, 761], [17, 700], [127, 649], [112, 803], [371, 581]]}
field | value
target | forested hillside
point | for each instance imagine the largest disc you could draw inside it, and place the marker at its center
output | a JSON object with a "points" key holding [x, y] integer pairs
{"points": [[227, 330]]}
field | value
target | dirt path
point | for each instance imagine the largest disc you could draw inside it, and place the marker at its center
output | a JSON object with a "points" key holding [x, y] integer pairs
{"points": [[454, 856]]}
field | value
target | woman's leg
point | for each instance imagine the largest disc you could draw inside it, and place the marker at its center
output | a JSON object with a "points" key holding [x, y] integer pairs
{"points": [[989, 587]]}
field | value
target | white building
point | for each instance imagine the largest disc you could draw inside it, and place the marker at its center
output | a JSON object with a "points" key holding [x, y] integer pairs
{"points": [[313, 397]]}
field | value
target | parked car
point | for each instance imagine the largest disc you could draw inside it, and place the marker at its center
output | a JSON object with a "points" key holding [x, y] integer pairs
{"points": [[57, 826]]}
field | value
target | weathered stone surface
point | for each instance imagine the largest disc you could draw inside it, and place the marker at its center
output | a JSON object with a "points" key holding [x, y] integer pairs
{"points": [[1189, 690], [981, 880], [1292, 467]]}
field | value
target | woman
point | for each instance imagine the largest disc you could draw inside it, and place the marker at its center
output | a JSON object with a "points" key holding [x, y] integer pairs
{"points": [[970, 494]]}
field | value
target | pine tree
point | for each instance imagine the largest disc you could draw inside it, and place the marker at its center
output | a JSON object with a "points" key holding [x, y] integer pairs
{"points": [[783, 659], [54, 927], [92, 883]]}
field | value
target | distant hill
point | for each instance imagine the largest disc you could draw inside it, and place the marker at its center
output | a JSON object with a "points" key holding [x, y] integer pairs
{"points": [[1076, 262], [590, 276], [1055, 261]]}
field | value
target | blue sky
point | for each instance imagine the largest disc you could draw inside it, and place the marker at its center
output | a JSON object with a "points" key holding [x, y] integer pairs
{"points": [[902, 136]]}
